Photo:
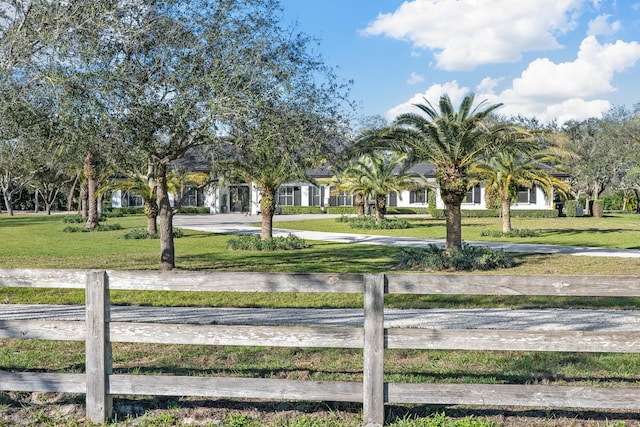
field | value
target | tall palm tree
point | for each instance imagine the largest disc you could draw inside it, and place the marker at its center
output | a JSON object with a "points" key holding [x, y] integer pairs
{"points": [[451, 140], [375, 175], [505, 172]]}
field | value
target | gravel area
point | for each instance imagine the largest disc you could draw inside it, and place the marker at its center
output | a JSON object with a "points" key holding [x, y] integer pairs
{"points": [[494, 318]]}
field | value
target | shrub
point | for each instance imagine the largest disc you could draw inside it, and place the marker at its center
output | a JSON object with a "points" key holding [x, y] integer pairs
{"points": [[73, 219], [369, 223], [194, 210], [113, 213], [469, 258], [79, 219], [571, 208], [344, 210], [141, 234], [343, 218], [255, 243], [396, 210], [495, 213], [513, 233], [598, 208], [130, 210], [100, 227]]}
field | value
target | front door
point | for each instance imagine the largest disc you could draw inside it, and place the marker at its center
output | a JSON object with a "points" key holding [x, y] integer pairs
{"points": [[239, 198]]}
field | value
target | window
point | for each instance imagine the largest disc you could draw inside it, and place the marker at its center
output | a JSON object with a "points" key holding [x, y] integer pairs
{"points": [[527, 195], [133, 200], [286, 196], [473, 195], [420, 197], [344, 199], [192, 197], [315, 196]]}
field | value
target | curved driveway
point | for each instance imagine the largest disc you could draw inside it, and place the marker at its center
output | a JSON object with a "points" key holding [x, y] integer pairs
{"points": [[241, 224]]}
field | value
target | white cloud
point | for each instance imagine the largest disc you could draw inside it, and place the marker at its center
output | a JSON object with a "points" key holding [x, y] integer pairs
{"points": [[487, 85], [433, 94], [550, 91], [590, 74], [415, 78], [466, 33], [601, 26]]}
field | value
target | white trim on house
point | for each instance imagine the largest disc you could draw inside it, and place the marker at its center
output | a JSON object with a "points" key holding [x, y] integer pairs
{"points": [[300, 197]]}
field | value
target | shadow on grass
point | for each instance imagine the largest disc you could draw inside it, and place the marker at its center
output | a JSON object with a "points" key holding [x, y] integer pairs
{"points": [[319, 257]]}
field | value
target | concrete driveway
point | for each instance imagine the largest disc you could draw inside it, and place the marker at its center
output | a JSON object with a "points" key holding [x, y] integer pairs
{"points": [[241, 224]]}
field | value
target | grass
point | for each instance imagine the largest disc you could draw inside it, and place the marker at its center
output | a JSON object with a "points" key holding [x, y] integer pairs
{"points": [[39, 242], [612, 231]]}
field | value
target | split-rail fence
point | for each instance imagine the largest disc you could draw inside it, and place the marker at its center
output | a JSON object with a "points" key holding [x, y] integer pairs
{"points": [[100, 384]]}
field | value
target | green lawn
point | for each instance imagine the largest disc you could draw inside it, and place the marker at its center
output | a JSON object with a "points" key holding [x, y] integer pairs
{"points": [[612, 231], [39, 242]]}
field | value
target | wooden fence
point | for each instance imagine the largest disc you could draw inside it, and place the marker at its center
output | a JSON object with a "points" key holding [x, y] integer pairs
{"points": [[99, 383]]}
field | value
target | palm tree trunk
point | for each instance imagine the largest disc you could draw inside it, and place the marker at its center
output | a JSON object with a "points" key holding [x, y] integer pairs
{"points": [[152, 225], [267, 209], [84, 202], [359, 204], [165, 216], [381, 202], [506, 215], [454, 227]]}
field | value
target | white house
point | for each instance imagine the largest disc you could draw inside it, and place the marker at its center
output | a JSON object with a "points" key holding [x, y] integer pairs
{"points": [[245, 198]]}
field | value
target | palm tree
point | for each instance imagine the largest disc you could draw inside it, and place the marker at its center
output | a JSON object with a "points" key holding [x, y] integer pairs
{"points": [[375, 175], [506, 172], [145, 187], [451, 140]]}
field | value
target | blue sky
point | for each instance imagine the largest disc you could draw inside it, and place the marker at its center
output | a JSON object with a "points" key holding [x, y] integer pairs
{"points": [[552, 59]]}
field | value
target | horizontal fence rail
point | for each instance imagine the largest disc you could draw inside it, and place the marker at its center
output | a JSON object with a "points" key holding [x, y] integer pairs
{"points": [[98, 332]]}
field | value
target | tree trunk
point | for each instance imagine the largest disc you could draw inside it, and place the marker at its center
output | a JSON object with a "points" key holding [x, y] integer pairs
{"points": [[92, 201], [72, 191], [36, 202], [165, 217], [506, 215], [8, 203], [84, 201], [381, 208], [360, 204], [453, 189], [151, 206], [152, 225], [267, 209], [454, 227]]}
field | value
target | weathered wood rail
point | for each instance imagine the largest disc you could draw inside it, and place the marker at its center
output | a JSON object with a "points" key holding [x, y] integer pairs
{"points": [[98, 382]]}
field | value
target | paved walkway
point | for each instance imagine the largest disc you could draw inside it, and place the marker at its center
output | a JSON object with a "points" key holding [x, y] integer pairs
{"points": [[241, 224]]}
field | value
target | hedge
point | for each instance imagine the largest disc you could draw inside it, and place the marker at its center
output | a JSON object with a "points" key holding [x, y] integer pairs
{"points": [[341, 210], [495, 213], [193, 210], [296, 210], [571, 208]]}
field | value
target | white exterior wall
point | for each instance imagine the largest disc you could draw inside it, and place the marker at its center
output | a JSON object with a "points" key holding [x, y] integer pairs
{"points": [[213, 199], [542, 202]]}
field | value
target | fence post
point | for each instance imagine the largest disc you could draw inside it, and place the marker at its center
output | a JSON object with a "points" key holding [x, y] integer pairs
{"points": [[373, 381], [98, 347]]}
